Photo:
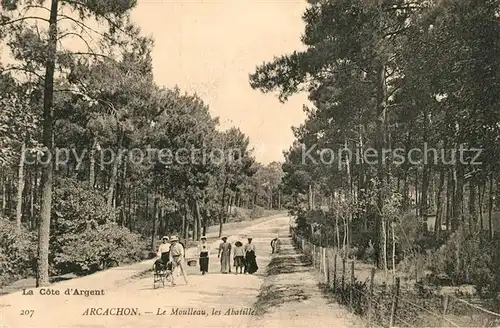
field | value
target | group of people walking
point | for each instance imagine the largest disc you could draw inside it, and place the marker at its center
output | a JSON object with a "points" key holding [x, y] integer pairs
{"points": [[244, 258], [171, 256]]}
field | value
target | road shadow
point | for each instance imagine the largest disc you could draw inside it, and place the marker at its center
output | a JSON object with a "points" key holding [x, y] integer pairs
{"points": [[275, 292]]}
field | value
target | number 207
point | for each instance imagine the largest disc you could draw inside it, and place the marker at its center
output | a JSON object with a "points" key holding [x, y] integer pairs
{"points": [[28, 313]]}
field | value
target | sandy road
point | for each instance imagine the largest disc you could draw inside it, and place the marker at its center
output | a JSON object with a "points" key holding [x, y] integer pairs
{"points": [[214, 294]]}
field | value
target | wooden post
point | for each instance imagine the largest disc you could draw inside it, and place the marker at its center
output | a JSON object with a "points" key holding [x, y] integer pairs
{"points": [[394, 303], [335, 272], [445, 308], [351, 290], [303, 246], [370, 296]]}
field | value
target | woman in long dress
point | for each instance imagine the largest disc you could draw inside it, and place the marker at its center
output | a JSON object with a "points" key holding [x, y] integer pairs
{"points": [[225, 256], [250, 258], [204, 250]]}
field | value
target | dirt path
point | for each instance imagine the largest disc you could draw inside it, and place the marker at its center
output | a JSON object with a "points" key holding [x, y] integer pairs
{"points": [[127, 271], [213, 292], [131, 300], [290, 296]]}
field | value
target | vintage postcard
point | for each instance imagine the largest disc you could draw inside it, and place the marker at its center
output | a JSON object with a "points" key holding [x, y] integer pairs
{"points": [[249, 163]]}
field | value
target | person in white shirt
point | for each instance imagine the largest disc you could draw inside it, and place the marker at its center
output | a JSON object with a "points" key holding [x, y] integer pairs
{"points": [[163, 253], [204, 250], [239, 257], [177, 257]]}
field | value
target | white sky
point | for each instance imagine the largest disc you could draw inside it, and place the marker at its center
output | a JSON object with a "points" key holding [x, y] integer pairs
{"points": [[210, 47]]}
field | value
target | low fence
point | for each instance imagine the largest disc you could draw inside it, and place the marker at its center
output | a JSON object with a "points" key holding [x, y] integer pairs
{"points": [[390, 304]]}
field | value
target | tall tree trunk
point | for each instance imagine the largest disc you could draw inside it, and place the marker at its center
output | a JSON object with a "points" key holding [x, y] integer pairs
{"points": [[481, 187], [384, 251], [310, 198], [472, 205], [393, 224], [92, 163], [460, 194], [344, 237], [229, 203], [4, 196], [33, 178], [161, 223], [279, 199], [349, 196], [146, 210], [439, 201], [114, 172], [9, 190], [490, 208], [186, 220], [425, 189], [270, 198], [20, 187], [337, 231], [449, 199], [417, 198], [406, 190], [454, 207], [123, 195], [456, 200], [313, 196], [204, 226], [381, 173], [129, 208], [42, 278], [221, 215], [136, 209], [195, 224], [153, 224], [197, 211], [165, 221]]}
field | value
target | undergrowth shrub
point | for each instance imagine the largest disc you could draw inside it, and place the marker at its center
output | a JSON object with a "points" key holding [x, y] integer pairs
{"points": [[17, 252], [84, 253], [470, 257], [464, 258], [84, 232], [256, 212]]}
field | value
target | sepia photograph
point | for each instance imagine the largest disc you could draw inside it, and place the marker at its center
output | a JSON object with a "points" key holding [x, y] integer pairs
{"points": [[249, 163]]}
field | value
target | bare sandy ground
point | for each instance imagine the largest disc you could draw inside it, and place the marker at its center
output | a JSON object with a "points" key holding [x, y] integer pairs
{"points": [[290, 296], [204, 302]]}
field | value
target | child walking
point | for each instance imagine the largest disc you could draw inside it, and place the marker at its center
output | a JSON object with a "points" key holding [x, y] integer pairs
{"points": [[239, 257]]}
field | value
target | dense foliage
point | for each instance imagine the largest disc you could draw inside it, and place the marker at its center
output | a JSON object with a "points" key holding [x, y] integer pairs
{"points": [[420, 77], [17, 252], [98, 159]]}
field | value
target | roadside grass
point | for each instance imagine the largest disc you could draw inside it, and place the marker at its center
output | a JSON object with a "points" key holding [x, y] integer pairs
{"points": [[275, 291]]}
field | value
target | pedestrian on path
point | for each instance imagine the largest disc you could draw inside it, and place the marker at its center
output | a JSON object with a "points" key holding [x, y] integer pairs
{"points": [[163, 253], [250, 258], [275, 245], [204, 250], [225, 256], [177, 257], [239, 257]]}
